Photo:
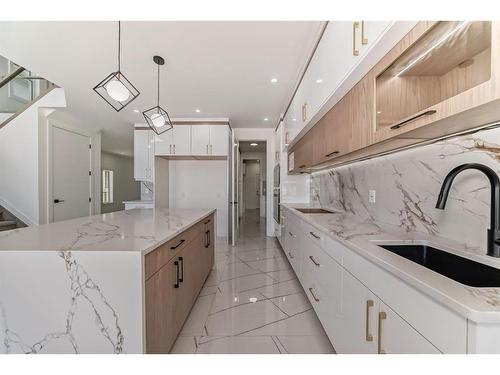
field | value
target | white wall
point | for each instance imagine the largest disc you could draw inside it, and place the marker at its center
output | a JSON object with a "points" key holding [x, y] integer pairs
{"points": [[267, 135], [200, 184], [161, 188], [261, 156], [125, 188], [20, 159]]}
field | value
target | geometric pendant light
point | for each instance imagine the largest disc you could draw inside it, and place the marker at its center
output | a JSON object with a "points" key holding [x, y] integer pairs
{"points": [[116, 89], [156, 117]]}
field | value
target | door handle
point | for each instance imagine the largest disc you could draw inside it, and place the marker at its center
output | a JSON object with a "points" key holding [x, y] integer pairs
{"points": [[368, 335], [176, 264], [181, 261], [58, 200], [381, 316]]}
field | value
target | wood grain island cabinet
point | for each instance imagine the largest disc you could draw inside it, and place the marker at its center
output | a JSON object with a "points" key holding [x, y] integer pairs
{"points": [[175, 273]]}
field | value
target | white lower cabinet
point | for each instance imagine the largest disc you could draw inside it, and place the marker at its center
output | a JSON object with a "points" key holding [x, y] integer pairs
{"points": [[396, 336], [361, 317]]}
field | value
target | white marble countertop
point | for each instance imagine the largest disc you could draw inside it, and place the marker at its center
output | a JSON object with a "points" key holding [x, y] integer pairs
{"points": [[139, 201], [362, 236], [138, 230]]}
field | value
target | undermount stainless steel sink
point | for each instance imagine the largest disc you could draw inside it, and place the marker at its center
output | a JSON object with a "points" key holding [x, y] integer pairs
{"points": [[314, 211], [463, 270]]}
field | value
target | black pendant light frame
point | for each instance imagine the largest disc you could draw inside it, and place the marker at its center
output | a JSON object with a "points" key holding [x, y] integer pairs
{"points": [[158, 60], [100, 88]]}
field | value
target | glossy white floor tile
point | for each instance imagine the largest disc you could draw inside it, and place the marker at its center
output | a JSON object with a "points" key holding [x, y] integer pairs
{"points": [[252, 302]]}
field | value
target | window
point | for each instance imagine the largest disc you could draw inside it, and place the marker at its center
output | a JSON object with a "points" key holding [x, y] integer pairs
{"points": [[107, 186]]}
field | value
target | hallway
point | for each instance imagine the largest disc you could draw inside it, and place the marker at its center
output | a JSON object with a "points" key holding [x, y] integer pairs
{"points": [[252, 302]]}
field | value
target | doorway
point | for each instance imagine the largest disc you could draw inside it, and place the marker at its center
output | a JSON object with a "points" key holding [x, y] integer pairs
{"points": [[71, 177], [253, 177]]}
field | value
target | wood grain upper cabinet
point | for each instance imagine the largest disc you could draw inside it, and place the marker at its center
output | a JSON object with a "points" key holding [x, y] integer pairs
{"points": [[434, 76], [303, 154]]}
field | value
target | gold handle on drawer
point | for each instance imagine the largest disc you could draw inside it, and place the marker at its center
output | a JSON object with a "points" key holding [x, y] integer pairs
{"points": [[313, 295], [363, 39], [355, 26], [315, 235], [291, 256], [304, 112], [314, 261], [369, 336], [381, 316]]}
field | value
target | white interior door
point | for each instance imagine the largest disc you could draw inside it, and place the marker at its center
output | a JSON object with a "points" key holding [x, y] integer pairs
{"points": [[251, 182], [71, 181]]}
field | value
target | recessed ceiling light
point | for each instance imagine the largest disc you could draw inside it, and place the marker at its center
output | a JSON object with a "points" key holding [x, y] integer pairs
{"points": [[136, 110], [294, 119], [197, 110], [319, 80], [253, 144], [274, 80], [379, 112], [266, 119]]}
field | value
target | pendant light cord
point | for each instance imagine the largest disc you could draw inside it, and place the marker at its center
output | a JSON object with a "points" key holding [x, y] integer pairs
{"points": [[119, 40], [158, 98]]}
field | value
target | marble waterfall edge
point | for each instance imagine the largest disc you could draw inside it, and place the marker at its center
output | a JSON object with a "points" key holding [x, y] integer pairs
{"points": [[407, 184], [70, 302]]}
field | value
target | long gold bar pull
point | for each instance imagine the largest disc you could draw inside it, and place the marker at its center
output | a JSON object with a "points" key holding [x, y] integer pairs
{"points": [[363, 39], [381, 316], [369, 336], [355, 26]]}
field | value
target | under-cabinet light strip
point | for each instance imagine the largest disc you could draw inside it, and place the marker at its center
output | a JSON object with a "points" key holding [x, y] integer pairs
{"points": [[437, 44]]}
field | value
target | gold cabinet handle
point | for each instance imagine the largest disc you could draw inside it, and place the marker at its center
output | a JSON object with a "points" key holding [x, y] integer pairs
{"points": [[313, 295], [355, 26], [316, 263], [369, 336], [363, 39], [304, 112], [381, 316]]}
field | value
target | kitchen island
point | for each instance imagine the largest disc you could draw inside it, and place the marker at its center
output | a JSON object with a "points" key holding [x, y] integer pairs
{"points": [[121, 282]]}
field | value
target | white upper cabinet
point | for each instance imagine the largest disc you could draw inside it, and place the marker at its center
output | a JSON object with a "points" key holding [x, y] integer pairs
{"points": [[181, 137], [144, 143], [219, 140], [343, 46], [163, 143], [200, 140]]}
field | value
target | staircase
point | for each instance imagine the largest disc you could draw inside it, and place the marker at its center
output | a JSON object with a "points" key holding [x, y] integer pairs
{"points": [[7, 221]]}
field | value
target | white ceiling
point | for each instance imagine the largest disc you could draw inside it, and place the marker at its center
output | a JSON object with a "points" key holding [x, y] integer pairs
{"points": [[245, 146], [222, 68]]}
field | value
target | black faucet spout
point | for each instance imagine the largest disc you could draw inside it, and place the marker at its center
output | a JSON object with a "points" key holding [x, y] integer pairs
{"points": [[494, 231]]}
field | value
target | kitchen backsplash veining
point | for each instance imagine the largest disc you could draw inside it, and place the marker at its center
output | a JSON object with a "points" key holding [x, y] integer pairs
{"points": [[407, 185]]}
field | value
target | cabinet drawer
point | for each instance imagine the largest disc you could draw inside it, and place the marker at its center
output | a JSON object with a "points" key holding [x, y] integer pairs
{"points": [[319, 266], [420, 311], [162, 255]]}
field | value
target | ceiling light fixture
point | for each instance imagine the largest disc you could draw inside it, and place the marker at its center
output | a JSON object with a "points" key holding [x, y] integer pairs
{"points": [[437, 44], [253, 144], [197, 111], [266, 119], [136, 110], [319, 80], [274, 80], [116, 89], [156, 117]]}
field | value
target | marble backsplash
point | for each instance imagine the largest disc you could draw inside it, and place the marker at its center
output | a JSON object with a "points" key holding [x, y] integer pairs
{"points": [[407, 185]]}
